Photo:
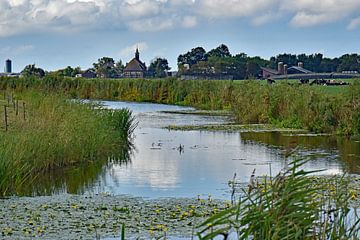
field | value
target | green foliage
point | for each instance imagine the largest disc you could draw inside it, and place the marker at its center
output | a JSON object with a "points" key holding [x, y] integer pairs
{"points": [[291, 205], [220, 62], [57, 133], [68, 71], [107, 68], [192, 57], [32, 70], [220, 52], [158, 68]]}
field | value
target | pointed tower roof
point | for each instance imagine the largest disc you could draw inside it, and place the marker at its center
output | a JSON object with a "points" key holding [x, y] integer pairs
{"points": [[135, 64], [137, 54]]}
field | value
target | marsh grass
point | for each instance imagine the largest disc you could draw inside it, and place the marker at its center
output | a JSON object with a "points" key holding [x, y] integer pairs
{"points": [[58, 133], [319, 109], [289, 206]]}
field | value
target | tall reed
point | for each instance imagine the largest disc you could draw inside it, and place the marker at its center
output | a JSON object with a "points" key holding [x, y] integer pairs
{"points": [[291, 205], [315, 108], [57, 133]]}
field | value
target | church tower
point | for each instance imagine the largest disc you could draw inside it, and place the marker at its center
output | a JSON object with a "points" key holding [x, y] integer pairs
{"points": [[137, 54]]}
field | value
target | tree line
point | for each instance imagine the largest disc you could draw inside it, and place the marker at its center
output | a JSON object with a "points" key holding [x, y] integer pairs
{"points": [[105, 67], [216, 62], [219, 61]]}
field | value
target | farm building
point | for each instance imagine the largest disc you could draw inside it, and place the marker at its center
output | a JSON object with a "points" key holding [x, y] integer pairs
{"points": [[283, 70], [135, 68]]}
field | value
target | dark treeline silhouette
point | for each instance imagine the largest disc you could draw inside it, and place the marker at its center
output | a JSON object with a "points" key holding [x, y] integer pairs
{"points": [[219, 61]]}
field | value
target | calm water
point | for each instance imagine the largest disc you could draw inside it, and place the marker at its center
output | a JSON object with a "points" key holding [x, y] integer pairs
{"points": [[209, 159]]}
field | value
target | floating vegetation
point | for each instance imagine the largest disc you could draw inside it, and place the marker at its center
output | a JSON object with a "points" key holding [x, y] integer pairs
{"points": [[102, 216], [201, 112], [235, 128]]}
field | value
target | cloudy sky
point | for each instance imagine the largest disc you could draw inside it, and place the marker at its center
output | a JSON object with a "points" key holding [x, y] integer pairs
{"points": [[56, 33]]}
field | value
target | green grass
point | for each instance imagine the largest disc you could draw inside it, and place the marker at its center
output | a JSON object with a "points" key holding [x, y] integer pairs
{"points": [[57, 133]]}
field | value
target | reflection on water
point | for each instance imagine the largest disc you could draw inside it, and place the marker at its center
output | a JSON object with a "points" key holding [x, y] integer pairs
{"points": [[208, 160], [338, 150]]}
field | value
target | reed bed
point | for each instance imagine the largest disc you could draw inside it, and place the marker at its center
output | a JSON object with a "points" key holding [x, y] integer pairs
{"points": [[57, 133], [292, 205], [284, 104]]}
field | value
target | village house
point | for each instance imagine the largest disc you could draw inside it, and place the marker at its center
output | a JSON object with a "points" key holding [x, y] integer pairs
{"points": [[135, 68]]}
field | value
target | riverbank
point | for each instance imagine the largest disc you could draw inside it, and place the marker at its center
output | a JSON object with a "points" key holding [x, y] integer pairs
{"points": [[47, 131], [317, 109]]}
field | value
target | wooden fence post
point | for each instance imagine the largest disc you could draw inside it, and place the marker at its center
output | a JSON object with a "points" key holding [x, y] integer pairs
{"points": [[17, 107], [24, 112], [6, 118]]}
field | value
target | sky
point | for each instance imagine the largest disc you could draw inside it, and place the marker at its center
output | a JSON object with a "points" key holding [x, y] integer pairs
{"points": [[54, 34]]}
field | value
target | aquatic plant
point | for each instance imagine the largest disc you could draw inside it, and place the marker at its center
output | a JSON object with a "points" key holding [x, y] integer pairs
{"points": [[292, 205]]}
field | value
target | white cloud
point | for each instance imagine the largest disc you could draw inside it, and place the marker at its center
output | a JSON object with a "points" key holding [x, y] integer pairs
{"points": [[130, 50], [23, 16], [232, 8], [355, 23], [16, 50], [189, 21], [265, 18]]}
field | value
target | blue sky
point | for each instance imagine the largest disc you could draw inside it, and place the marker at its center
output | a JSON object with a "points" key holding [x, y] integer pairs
{"points": [[56, 33]]}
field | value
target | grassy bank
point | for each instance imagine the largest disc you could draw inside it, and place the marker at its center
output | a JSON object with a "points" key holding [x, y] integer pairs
{"points": [[50, 132], [320, 109], [298, 106]]}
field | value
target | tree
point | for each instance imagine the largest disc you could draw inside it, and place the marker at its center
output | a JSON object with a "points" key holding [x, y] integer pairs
{"points": [[221, 51], [349, 62], [119, 68], [159, 67], [105, 67], [32, 70], [192, 57], [69, 71]]}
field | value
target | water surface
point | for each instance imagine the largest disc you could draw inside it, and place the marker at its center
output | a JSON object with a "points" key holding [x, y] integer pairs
{"points": [[159, 168]]}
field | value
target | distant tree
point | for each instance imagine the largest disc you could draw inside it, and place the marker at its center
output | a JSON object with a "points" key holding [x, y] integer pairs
{"points": [[220, 51], [192, 57], [119, 67], [349, 62], [105, 67], [252, 69], [69, 71], [32, 70], [159, 67], [329, 65]]}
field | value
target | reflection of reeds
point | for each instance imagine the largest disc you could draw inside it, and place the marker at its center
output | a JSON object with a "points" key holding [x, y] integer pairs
{"points": [[58, 133], [292, 205]]}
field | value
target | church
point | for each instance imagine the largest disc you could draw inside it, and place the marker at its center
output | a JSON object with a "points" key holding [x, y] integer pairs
{"points": [[135, 68]]}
